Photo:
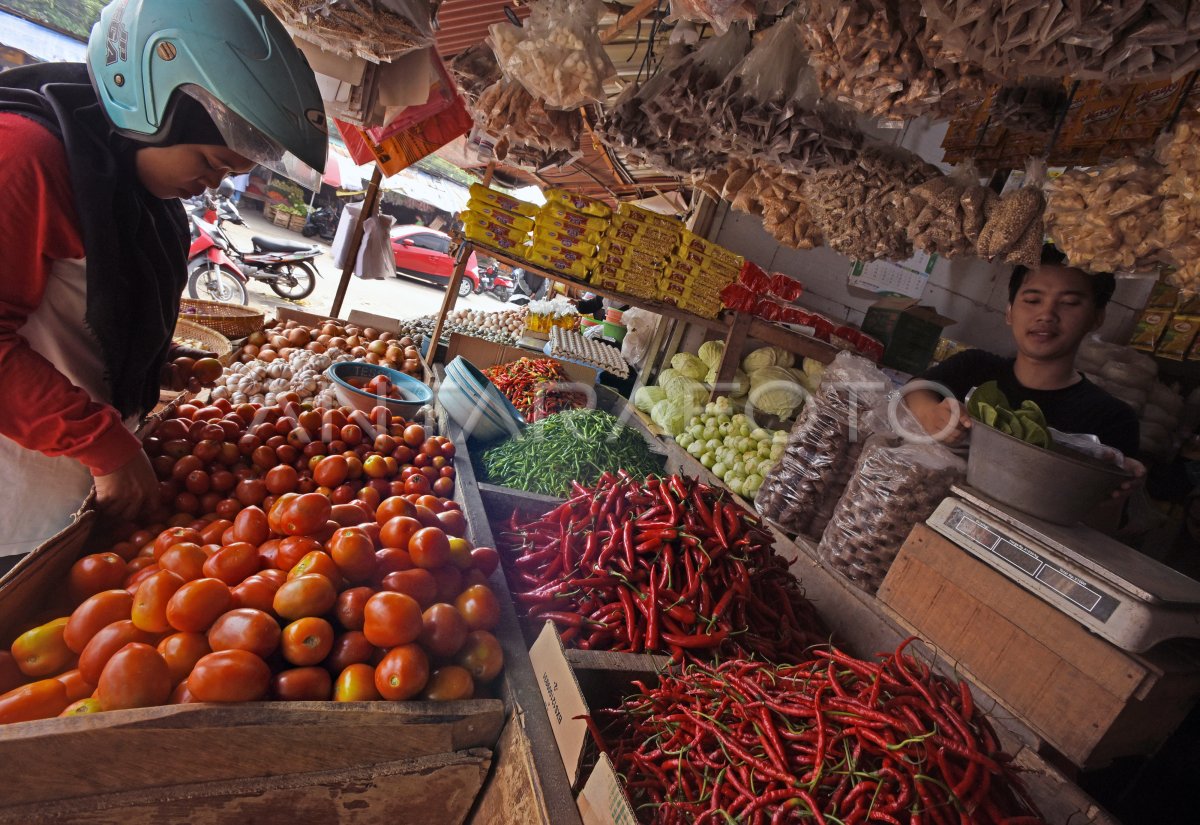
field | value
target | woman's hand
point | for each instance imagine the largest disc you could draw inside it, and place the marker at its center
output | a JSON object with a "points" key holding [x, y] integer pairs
{"points": [[945, 419], [130, 491]]}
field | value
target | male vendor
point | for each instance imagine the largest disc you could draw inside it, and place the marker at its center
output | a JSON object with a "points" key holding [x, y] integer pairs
{"points": [[1050, 310]]}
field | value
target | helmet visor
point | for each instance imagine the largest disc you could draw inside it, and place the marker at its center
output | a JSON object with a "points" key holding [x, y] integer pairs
{"points": [[252, 144]]}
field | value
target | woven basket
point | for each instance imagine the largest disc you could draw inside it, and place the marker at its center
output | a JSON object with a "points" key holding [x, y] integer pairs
{"points": [[234, 321], [209, 339]]}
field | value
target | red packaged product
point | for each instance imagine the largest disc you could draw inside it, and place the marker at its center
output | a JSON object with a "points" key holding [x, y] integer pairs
{"points": [[738, 298], [786, 288], [869, 347], [754, 278], [823, 326]]}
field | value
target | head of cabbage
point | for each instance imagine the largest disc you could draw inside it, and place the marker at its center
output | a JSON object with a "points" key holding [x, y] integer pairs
{"points": [[711, 353], [774, 390], [646, 397], [689, 365], [671, 416]]}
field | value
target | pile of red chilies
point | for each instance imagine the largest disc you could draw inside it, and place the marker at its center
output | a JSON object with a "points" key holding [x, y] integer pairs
{"points": [[530, 384], [660, 565], [834, 740]]}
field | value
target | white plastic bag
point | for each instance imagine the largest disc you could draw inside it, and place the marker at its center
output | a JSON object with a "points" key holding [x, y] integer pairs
{"points": [[639, 329]]}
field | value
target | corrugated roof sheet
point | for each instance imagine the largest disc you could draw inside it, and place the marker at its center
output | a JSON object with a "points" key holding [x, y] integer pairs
{"points": [[463, 23]]}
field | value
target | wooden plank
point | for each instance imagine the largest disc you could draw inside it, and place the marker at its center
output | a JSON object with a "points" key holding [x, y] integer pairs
{"points": [[442, 787], [628, 19], [450, 299], [370, 204], [794, 342], [524, 694], [110, 752], [735, 343], [513, 790]]}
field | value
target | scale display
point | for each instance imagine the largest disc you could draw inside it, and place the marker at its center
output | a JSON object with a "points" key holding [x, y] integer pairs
{"points": [[1096, 603]]}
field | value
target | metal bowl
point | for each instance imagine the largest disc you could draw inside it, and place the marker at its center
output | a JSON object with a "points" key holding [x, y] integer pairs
{"points": [[416, 394], [1057, 485]]}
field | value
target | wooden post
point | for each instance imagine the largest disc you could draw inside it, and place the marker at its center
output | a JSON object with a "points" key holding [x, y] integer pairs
{"points": [[370, 203], [735, 341], [460, 267], [628, 19]]}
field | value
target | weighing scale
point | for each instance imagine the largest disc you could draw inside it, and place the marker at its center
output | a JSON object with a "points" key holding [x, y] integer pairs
{"points": [[1111, 589]]}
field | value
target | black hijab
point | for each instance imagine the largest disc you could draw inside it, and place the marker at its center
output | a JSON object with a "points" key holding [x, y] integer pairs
{"points": [[136, 244]]}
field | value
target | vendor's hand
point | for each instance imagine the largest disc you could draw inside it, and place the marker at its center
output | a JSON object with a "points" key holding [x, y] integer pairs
{"points": [[1139, 476], [129, 491], [947, 420]]}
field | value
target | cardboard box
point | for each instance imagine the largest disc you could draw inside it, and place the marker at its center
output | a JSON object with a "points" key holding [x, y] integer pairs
{"points": [[484, 354], [909, 332], [1089, 700]]}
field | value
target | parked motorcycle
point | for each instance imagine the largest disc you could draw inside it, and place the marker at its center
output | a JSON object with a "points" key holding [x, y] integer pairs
{"points": [[321, 222], [219, 270], [495, 283]]}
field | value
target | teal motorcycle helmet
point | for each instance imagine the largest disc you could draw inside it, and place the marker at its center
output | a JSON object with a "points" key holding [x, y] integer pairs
{"points": [[148, 60]]}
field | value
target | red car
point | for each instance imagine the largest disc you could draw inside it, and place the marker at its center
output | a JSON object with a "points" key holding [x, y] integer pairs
{"points": [[422, 253]]}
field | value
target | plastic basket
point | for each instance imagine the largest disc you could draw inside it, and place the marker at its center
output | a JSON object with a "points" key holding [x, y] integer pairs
{"points": [[209, 339], [234, 321]]}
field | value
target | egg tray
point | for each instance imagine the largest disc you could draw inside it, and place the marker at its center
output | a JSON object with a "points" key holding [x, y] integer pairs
{"points": [[571, 346]]}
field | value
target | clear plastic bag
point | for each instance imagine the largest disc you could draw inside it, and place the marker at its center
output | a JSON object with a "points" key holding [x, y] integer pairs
{"points": [[823, 446], [720, 13], [894, 487], [557, 55]]}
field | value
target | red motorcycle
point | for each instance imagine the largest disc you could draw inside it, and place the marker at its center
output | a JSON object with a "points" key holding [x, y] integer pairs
{"points": [[494, 282], [219, 271]]}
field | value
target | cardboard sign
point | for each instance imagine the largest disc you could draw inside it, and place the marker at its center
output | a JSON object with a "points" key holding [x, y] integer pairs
{"points": [[563, 697], [602, 800]]}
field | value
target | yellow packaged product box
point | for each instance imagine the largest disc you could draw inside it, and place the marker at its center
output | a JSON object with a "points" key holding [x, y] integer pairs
{"points": [[584, 244], [486, 228], [566, 234], [695, 256], [576, 269], [1149, 329], [645, 237], [1178, 336], [718, 253], [564, 253], [579, 203], [555, 215], [491, 197], [645, 216], [625, 248], [497, 215], [631, 260]]}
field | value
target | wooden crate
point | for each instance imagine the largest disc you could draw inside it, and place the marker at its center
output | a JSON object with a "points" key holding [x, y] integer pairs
{"points": [[1089, 700]]}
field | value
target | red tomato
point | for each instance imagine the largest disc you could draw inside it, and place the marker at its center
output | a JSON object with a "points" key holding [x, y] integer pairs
{"points": [[414, 435], [398, 531], [197, 604], [391, 559], [481, 655], [93, 573], [353, 553], [356, 683], [331, 471], [43, 699], [350, 513], [42, 651], [429, 548], [417, 485], [480, 607], [281, 479], [391, 619], [449, 582], [486, 560], [350, 605], [96, 612], [306, 641], [304, 515], [427, 517], [443, 487], [181, 651], [82, 707], [211, 533], [251, 526], [349, 648], [245, 629], [302, 684], [307, 595], [185, 560], [257, 592], [150, 602], [316, 562], [448, 684], [443, 630], [77, 687], [402, 673], [294, 548], [229, 676], [107, 641], [136, 676], [175, 535], [233, 563], [418, 584]]}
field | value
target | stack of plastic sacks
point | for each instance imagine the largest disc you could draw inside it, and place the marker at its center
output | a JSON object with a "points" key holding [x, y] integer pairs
{"points": [[566, 232], [498, 220]]}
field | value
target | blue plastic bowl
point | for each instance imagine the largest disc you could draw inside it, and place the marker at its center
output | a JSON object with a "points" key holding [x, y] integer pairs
{"points": [[416, 394], [483, 412]]}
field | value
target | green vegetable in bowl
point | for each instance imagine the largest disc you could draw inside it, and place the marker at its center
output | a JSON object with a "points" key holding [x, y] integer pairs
{"points": [[989, 405]]}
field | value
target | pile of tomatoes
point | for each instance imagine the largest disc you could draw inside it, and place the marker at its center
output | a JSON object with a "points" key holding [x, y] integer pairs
{"points": [[220, 458], [329, 564]]}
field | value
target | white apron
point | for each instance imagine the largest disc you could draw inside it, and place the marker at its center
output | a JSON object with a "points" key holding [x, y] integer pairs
{"points": [[40, 493]]}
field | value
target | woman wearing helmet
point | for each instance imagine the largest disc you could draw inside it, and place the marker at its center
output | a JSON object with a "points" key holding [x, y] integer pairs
{"points": [[175, 95]]}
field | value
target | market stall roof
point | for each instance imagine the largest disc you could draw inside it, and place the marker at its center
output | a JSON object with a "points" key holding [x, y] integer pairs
{"points": [[443, 194]]}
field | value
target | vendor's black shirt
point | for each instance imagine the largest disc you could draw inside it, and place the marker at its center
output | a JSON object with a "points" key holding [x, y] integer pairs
{"points": [[1080, 408]]}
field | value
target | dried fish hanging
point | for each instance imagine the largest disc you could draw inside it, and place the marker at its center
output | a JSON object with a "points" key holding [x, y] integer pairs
{"points": [[768, 191], [516, 118], [878, 58], [1116, 40], [946, 214], [377, 30]]}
